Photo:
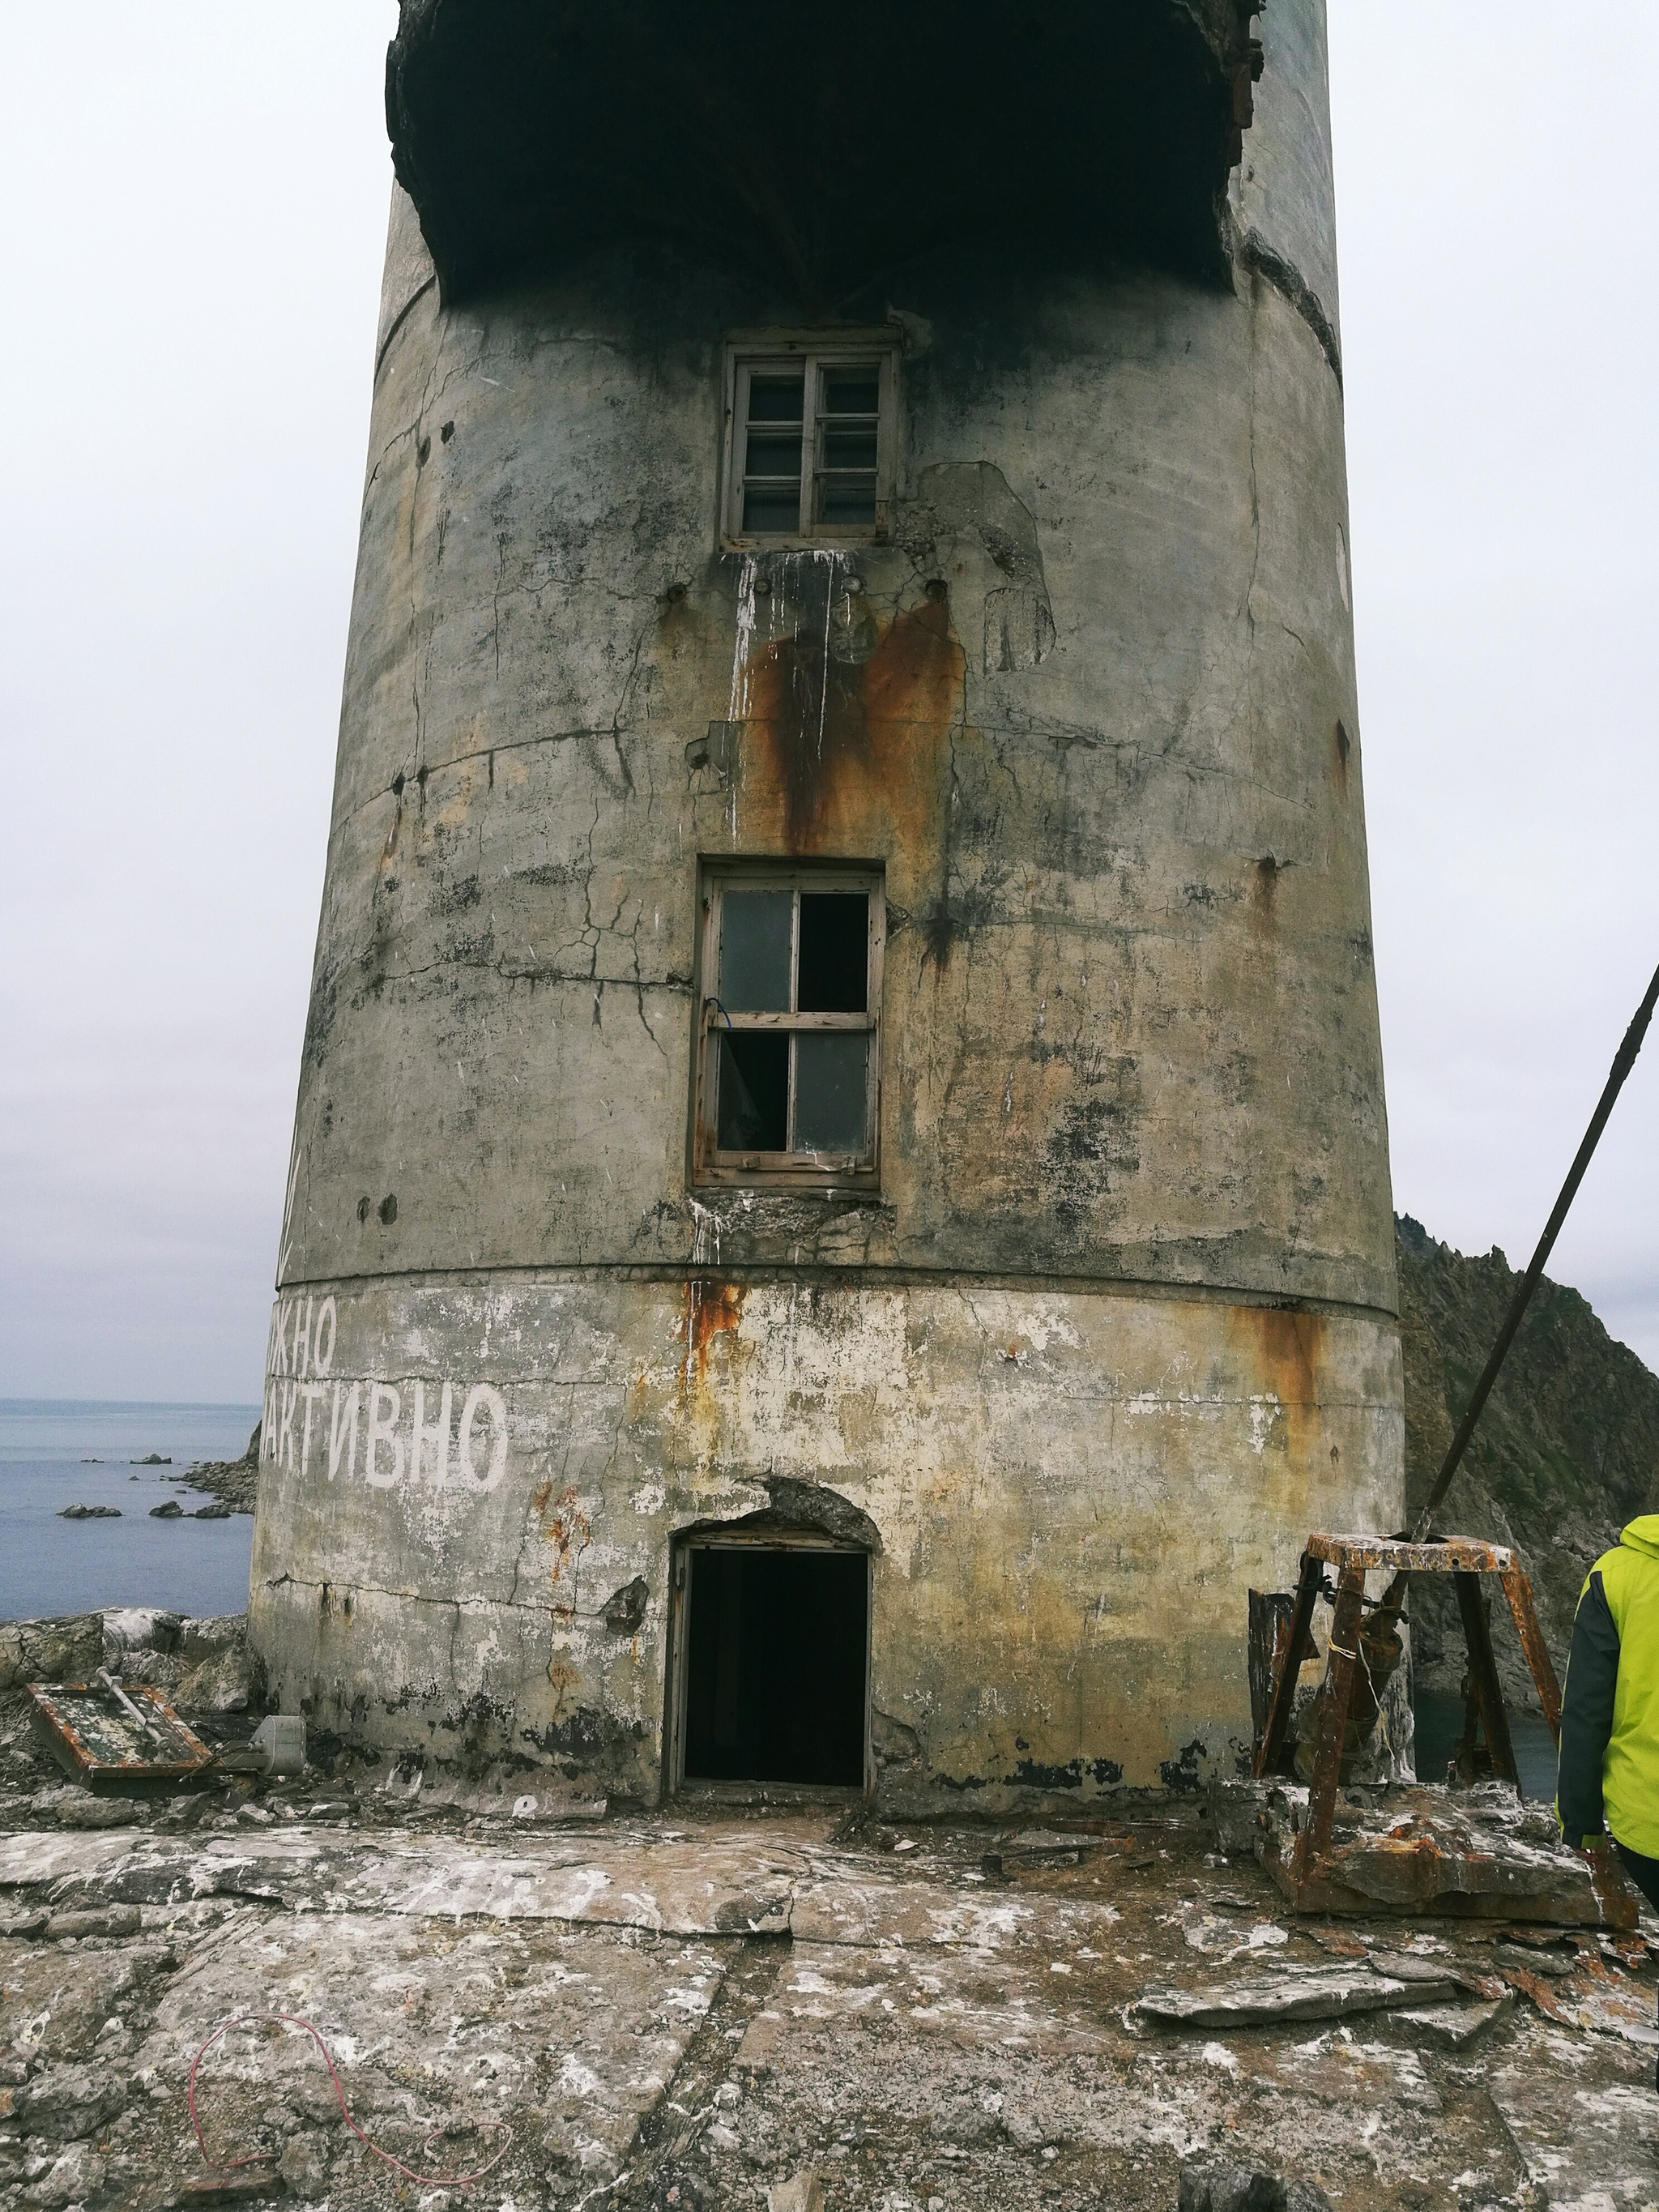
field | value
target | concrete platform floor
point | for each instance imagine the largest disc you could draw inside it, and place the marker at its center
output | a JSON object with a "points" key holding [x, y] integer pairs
{"points": [[732, 2006]]}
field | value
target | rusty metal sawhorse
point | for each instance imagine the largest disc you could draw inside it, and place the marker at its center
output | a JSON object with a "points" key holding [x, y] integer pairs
{"points": [[1466, 1560]]}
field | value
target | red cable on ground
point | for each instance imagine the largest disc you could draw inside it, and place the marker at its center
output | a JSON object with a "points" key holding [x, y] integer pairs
{"points": [[293, 2019]]}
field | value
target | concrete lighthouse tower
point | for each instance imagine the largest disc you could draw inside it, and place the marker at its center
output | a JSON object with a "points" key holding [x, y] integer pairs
{"points": [[839, 1215]]}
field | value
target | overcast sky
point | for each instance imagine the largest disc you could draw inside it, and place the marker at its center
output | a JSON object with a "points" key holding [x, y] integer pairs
{"points": [[196, 194]]}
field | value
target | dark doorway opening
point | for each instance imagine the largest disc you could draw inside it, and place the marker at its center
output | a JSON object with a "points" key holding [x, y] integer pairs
{"points": [[777, 1644]]}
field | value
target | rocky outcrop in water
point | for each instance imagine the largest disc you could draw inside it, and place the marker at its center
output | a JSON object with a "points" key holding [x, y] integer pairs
{"points": [[234, 1482]]}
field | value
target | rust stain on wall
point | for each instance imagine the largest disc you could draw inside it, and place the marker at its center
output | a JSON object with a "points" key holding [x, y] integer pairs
{"points": [[1286, 1360], [568, 1531], [1285, 1350], [710, 1307], [1264, 895], [832, 731]]}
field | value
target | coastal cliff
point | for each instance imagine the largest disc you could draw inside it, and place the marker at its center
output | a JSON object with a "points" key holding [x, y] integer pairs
{"points": [[1567, 1451]]}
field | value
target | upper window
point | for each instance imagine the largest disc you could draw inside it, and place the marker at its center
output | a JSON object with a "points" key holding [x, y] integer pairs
{"points": [[810, 431], [788, 1061]]}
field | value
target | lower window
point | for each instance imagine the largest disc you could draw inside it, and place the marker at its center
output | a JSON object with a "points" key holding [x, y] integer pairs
{"points": [[788, 1069]]}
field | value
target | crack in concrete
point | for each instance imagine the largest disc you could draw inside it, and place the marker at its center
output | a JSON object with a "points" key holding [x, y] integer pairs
{"points": [[400, 319], [834, 1273], [1289, 284], [672, 2123], [459, 1605]]}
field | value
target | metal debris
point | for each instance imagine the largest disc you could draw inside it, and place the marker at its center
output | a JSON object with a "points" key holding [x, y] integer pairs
{"points": [[107, 1732], [1340, 1944], [1479, 1853], [1595, 1995], [1360, 1655]]}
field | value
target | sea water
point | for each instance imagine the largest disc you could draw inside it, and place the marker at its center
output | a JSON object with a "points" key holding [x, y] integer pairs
{"points": [[59, 1452], [1439, 1720]]}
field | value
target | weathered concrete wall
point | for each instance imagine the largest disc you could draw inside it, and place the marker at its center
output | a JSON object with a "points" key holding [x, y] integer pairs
{"points": [[1072, 1492], [1094, 712], [1283, 196], [1129, 933]]}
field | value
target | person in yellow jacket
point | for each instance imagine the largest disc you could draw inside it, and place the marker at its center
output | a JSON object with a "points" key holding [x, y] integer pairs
{"points": [[1607, 1779]]}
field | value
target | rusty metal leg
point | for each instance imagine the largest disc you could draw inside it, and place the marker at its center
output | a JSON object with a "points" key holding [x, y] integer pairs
{"points": [[1341, 1664], [1483, 1668], [1269, 1636], [1519, 1591], [1467, 1752], [1270, 1749]]}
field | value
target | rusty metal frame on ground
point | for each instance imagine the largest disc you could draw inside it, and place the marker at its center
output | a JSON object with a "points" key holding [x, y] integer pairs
{"points": [[1466, 1559], [105, 1734]]}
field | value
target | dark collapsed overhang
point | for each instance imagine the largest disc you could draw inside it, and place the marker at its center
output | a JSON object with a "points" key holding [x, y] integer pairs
{"points": [[818, 147]]}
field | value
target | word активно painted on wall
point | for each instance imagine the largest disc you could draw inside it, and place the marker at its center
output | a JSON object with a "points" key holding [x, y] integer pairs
{"points": [[307, 1408]]}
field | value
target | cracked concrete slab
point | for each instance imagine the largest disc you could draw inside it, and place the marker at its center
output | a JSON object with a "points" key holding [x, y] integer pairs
{"points": [[1321, 1995], [904, 2027], [45, 1855], [1583, 2117], [568, 2040], [720, 1882]]}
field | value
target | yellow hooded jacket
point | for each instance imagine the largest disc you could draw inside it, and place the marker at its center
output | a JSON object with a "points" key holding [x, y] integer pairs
{"points": [[1608, 1776]]}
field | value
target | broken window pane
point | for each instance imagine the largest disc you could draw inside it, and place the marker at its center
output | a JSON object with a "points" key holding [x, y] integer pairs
{"points": [[754, 1091], [771, 507], [844, 495], [849, 449], [831, 1068], [834, 952], [852, 391], [771, 465], [789, 1034], [777, 398], [847, 500], [755, 952], [811, 457], [770, 455]]}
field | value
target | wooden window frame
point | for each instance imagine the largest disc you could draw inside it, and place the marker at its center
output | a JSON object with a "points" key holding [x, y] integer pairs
{"points": [[712, 1168], [751, 351]]}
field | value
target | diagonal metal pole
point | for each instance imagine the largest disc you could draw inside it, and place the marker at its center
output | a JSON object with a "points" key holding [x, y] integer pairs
{"points": [[1624, 1060]]}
